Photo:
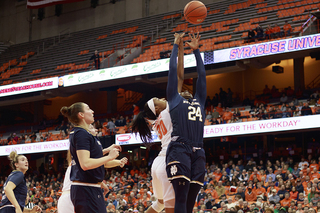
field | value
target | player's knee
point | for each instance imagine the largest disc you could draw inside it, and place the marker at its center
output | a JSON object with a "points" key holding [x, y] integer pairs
{"points": [[169, 204], [157, 206]]}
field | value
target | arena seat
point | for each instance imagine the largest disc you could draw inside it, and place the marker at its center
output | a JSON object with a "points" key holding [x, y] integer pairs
{"points": [[76, 49]]}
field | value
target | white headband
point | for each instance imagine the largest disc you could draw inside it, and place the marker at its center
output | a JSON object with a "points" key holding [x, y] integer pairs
{"points": [[151, 106]]}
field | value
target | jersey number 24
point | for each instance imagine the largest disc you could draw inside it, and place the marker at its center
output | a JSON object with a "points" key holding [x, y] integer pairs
{"points": [[194, 113]]}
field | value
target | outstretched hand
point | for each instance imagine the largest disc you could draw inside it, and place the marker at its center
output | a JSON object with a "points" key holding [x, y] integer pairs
{"points": [[194, 44], [177, 38]]}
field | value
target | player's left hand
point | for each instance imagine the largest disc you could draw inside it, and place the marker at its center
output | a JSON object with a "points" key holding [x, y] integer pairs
{"points": [[123, 162], [36, 209], [105, 189], [194, 44]]}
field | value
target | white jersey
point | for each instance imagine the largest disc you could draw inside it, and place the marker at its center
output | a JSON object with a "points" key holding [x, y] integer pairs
{"points": [[67, 181], [163, 127]]}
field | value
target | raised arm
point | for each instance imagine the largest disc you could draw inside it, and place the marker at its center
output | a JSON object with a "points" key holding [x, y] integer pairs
{"points": [[172, 91], [180, 64], [201, 90]]}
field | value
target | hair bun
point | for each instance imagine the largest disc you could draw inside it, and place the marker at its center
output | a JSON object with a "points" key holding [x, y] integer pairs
{"points": [[13, 155], [64, 111]]}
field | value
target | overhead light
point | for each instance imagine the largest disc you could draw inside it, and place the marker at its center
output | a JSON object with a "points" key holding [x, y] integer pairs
{"points": [[143, 147], [129, 151]]}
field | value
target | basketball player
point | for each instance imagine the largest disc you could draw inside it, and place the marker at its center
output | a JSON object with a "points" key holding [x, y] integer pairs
{"points": [[64, 203], [15, 189], [185, 154], [158, 110], [88, 160]]}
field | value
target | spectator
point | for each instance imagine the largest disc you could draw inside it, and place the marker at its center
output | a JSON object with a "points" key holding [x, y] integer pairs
{"points": [[121, 121], [236, 113], [214, 121], [283, 99], [227, 115], [251, 35], [220, 189], [208, 102], [306, 110], [274, 197], [209, 115], [229, 97], [287, 29], [276, 31], [111, 126], [215, 113], [315, 199], [96, 59], [201, 194], [268, 33], [299, 186], [259, 31], [287, 200], [250, 195]]}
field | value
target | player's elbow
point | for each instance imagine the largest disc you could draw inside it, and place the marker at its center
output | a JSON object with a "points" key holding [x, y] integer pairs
{"points": [[85, 166]]}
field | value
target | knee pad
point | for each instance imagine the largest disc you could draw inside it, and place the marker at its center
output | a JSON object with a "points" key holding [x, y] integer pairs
{"points": [[157, 206], [169, 204]]}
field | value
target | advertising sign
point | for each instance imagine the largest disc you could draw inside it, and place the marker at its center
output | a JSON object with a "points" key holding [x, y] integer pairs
{"points": [[29, 86], [125, 71], [241, 128], [267, 48]]}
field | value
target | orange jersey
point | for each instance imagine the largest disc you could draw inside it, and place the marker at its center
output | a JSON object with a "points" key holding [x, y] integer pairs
{"points": [[293, 195], [315, 175], [286, 202], [261, 191], [287, 27], [251, 197], [257, 175], [314, 165]]}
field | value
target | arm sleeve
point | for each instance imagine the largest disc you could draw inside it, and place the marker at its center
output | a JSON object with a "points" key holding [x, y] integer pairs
{"points": [[83, 140], [201, 92], [172, 86], [92, 57]]}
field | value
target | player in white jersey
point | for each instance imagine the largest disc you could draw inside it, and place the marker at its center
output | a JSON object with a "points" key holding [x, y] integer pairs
{"points": [[65, 204], [157, 110]]}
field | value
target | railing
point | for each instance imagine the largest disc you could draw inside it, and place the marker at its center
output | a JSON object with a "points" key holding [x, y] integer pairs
{"points": [[306, 25], [315, 82]]}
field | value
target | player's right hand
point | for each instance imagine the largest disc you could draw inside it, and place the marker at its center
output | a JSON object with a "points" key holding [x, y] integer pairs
{"points": [[177, 38], [114, 153]]}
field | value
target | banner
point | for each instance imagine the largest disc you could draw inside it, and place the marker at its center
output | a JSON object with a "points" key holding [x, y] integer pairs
{"points": [[125, 71], [35, 4], [29, 86], [267, 48], [242, 128], [29, 148]]}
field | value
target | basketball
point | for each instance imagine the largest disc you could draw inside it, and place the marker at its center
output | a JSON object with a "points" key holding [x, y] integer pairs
{"points": [[195, 12]]}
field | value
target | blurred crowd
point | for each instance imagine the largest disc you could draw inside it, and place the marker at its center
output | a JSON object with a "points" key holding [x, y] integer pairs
{"points": [[277, 185], [288, 103]]}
